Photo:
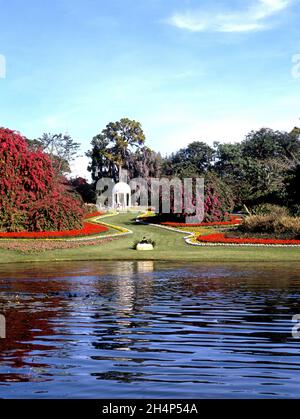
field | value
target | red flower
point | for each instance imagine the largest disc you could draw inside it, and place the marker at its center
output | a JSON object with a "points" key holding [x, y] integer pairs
{"points": [[88, 229], [93, 214], [221, 239], [33, 197]]}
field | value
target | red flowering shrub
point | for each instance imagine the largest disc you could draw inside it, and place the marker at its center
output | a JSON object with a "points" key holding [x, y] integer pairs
{"points": [[218, 203], [31, 195], [58, 211]]}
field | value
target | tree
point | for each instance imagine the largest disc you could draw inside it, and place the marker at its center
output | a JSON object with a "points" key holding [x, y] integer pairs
{"points": [[194, 160], [84, 189], [228, 158], [269, 144], [101, 166], [256, 169], [293, 189], [32, 196], [61, 148], [145, 163], [113, 148]]}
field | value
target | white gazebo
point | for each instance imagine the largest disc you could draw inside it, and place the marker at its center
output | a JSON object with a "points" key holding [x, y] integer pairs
{"points": [[121, 196]]}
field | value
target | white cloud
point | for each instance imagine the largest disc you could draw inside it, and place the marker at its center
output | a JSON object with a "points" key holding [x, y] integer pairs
{"points": [[254, 18], [226, 130], [241, 27], [2, 67], [53, 122], [178, 125]]}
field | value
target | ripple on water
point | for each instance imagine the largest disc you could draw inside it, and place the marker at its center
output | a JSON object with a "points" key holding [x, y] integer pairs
{"points": [[145, 329]]}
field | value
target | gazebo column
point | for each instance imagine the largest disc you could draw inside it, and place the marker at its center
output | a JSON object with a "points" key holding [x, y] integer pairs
{"points": [[121, 200], [122, 196]]}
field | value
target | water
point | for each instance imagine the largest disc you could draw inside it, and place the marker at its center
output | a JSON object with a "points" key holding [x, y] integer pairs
{"points": [[149, 330]]}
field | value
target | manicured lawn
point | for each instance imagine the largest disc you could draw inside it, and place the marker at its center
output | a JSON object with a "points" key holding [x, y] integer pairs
{"points": [[170, 246]]}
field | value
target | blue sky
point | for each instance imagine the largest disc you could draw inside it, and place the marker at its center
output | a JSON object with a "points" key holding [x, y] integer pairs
{"points": [[186, 69]]}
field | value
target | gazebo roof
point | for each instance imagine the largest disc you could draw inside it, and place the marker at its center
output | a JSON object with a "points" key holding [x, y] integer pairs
{"points": [[121, 188]]}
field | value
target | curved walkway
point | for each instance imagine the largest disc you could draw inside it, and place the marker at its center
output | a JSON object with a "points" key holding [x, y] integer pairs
{"points": [[170, 246]]}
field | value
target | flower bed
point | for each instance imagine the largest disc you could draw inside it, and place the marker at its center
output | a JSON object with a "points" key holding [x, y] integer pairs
{"points": [[234, 220], [220, 238], [93, 215], [88, 229], [40, 246]]}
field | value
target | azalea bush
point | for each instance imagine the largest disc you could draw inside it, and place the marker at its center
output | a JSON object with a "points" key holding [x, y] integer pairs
{"points": [[218, 200], [218, 204], [58, 211], [33, 196]]}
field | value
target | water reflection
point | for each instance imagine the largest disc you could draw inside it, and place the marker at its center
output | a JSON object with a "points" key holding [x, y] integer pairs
{"points": [[134, 329], [145, 266]]}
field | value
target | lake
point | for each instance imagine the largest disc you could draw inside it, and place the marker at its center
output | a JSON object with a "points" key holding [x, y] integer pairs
{"points": [[149, 330]]}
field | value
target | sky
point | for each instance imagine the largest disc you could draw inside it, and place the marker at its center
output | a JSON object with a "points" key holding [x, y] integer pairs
{"points": [[188, 70]]}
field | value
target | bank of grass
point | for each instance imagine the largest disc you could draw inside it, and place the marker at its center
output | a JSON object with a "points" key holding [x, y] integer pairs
{"points": [[170, 246]]}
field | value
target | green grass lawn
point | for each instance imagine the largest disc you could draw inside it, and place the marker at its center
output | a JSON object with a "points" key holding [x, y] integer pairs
{"points": [[169, 246]]}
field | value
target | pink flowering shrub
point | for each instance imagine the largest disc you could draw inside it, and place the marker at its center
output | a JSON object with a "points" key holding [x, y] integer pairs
{"points": [[218, 203]]}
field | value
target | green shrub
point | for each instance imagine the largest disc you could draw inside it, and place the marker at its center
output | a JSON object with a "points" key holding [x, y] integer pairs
{"points": [[295, 210], [271, 224], [270, 209]]}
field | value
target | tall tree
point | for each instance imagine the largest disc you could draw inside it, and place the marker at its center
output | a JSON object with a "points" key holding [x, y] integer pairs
{"points": [[145, 163], [194, 160], [61, 148], [113, 148], [100, 165], [256, 168], [269, 144]]}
